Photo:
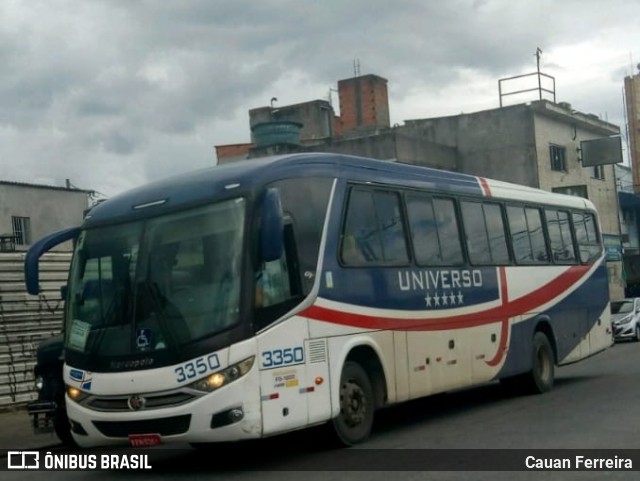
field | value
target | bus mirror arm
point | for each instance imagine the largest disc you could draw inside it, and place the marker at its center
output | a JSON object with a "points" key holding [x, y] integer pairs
{"points": [[31, 272], [271, 227]]}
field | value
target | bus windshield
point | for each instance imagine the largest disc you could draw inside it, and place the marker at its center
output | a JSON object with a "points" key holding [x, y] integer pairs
{"points": [[156, 285]]}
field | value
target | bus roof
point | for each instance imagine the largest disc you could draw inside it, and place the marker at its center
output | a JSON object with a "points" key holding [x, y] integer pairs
{"points": [[238, 178]]}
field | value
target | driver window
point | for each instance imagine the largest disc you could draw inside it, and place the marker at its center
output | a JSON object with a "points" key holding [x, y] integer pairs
{"points": [[277, 287], [272, 283]]}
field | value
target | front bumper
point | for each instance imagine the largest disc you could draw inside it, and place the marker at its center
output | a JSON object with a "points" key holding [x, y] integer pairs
{"points": [[198, 421], [624, 331]]}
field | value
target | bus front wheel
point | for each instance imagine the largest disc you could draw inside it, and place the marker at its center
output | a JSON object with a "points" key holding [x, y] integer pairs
{"points": [[354, 423]]}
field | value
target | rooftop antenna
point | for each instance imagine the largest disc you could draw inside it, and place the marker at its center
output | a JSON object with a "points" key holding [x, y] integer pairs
{"points": [[538, 54], [356, 67]]}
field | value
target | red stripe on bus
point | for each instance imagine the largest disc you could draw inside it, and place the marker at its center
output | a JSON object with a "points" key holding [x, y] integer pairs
{"points": [[486, 190], [504, 326]]}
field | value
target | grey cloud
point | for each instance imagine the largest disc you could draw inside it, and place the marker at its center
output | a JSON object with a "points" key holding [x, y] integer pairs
{"points": [[142, 82]]}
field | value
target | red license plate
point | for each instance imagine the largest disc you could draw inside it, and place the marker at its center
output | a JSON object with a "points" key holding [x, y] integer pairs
{"points": [[144, 440]]}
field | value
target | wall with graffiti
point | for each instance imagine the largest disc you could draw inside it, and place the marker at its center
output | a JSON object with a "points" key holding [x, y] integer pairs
{"points": [[26, 320]]}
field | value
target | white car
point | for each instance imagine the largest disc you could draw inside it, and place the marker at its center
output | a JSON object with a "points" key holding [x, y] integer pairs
{"points": [[625, 319]]}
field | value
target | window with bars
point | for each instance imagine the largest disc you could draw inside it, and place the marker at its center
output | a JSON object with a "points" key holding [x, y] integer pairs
{"points": [[558, 156], [21, 230]]}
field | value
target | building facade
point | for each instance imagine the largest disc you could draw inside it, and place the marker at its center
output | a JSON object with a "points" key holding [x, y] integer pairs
{"points": [[632, 104], [30, 211], [629, 228]]}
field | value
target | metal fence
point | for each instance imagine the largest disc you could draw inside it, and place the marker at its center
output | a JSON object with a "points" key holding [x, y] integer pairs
{"points": [[25, 320]]}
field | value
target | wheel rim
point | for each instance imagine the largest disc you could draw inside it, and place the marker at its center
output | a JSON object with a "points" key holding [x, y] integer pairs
{"points": [[353, 403]]}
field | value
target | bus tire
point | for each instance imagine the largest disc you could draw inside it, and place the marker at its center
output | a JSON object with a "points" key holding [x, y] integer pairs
{"points": [[540, 379], [353, 424]]}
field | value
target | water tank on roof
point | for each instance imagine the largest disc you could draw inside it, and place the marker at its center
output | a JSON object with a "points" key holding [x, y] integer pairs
{"points": [[276, 132]]}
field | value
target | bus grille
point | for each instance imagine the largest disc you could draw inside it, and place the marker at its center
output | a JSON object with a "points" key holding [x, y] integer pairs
{"points": [[152, 402], [161, 426]]}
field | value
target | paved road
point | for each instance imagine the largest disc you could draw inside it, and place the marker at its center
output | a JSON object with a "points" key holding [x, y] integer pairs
{"points": [[595, 405]]}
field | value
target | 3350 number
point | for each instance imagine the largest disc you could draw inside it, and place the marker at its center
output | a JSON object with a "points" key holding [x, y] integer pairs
{"points": [[191, 369], [283, 357]]}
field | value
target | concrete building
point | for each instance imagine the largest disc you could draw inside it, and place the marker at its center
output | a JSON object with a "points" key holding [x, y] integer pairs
{"points": [[30, 211], [364, 107], [317, 117], [537, 144], [632, 101], [630, 228], [629, 206], [628, 179]]}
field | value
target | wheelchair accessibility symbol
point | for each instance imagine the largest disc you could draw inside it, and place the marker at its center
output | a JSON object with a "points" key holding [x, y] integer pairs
{"points": [[143, 338]]}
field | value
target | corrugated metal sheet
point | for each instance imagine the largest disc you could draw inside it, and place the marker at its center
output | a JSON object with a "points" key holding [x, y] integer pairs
{"points": [[25, 320]]}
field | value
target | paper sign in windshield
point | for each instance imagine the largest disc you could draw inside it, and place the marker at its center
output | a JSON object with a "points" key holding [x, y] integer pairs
{"points": [[79, 334]]}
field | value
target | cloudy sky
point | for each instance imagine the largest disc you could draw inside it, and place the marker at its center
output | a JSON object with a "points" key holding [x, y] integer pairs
{"points": [[113, 93]]}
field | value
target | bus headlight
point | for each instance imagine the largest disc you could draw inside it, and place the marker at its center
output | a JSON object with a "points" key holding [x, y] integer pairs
{"points": [[222, 378], [76, 394]]}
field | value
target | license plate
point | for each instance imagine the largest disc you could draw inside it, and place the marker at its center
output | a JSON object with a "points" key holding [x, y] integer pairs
{"points": [[144, 440]]}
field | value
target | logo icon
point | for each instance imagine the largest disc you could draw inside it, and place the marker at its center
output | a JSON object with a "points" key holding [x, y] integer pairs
{"points": [[136, 402], [23, 460], [82, 377]]}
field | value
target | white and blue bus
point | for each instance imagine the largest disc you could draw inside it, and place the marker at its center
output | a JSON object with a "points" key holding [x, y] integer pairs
{"points": [[270, 295]]}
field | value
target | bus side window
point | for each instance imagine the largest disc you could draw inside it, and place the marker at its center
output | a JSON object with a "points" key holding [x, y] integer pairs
{"points": [[434, 230], [587, 237], [561, 243], [361, 226], [374, 222], [525, 225], [484, 228]]}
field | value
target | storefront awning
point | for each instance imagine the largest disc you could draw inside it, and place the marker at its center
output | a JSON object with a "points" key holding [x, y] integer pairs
{"points": [[628, 200]]}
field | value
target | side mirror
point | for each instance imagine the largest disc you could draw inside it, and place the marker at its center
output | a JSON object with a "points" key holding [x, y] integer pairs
{"points": [[31, 271], [63, 292], [271, 227]]}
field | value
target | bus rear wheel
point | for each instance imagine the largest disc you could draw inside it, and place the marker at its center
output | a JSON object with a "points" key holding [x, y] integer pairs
{"points": [[353, 424], [540, 378]]}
